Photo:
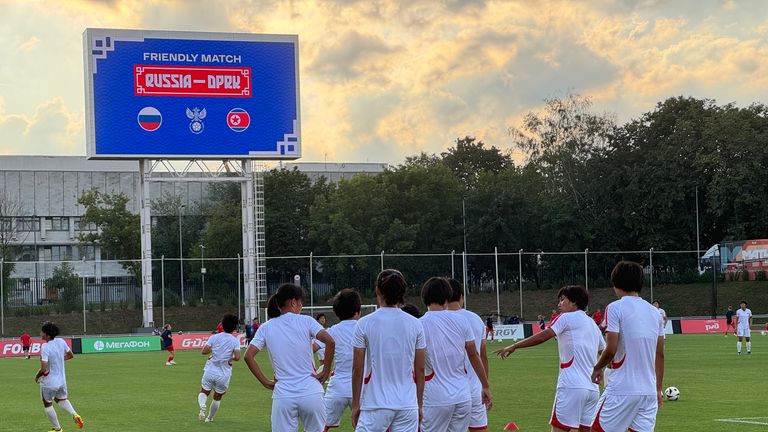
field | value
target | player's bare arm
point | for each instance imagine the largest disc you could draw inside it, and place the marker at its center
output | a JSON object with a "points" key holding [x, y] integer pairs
{"points": [[659, 369], [236, 354], [611, 345], [206, 350], [68, 356], [43, 371], [419, 361], [358, 359], [534, 340], [477, 365], [250, 360], [330, 347], [484, 358]]}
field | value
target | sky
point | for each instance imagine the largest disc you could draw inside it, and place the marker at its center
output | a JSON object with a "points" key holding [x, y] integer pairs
{"points": [[383, 79]]}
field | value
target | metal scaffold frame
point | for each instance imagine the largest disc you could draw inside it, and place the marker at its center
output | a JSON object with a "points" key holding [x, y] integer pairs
{"points": [[254, 247]]}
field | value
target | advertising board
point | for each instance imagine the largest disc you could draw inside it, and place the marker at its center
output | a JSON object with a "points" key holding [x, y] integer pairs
{"points": [[693, 326], [120, 344], [15, 349], [196, 341]]}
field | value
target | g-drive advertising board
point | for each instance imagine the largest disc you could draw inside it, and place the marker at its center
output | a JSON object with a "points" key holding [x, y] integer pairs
{"points": [[188, 95]]}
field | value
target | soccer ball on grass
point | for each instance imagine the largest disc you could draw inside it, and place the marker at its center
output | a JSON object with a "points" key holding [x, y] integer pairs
{"points": [[672, 393]]}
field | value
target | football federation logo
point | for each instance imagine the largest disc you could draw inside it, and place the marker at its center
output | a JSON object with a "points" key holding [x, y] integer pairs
{"points": [[150, 119], [238, 120], [196, 115]]}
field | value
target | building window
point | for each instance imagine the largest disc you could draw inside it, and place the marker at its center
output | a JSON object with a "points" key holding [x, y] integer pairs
{"points": [[79, 226], [58, 253], [57, 223], [26, 224], [86, 252]]}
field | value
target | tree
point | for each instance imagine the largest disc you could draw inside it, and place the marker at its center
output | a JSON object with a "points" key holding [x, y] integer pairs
{"points": [[67, 284], [469, 158], [10, 209], [119, 231]]}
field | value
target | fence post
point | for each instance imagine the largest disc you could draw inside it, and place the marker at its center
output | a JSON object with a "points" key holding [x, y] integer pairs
{"points": [[311, 289], [453, 272], [496, 261], [586, 269], [84, 328], [311, 270], [382, 260], [520, 279], [162, 287], [464, 273], [650, 264], [2, 297], [238, 289]]}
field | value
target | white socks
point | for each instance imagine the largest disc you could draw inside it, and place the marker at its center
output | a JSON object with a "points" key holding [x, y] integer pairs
{"points": [[214, 407], [202, 399], [67, 406], [738, 347], [49, 411], [749, 346]]}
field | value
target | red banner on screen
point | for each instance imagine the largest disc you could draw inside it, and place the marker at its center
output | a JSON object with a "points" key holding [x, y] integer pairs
{"points": [[197, 81], [702, 326], [15, 348], [196, 341]]}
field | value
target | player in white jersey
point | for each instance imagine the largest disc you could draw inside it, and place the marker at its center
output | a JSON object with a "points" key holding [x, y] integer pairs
{"points": [[338, 394], [52, 377], [391, 344], [317, 346], [222, 348], [478, 417], [635, 351], [297, 389], [743, 327], [447, 396], [579, 342]]}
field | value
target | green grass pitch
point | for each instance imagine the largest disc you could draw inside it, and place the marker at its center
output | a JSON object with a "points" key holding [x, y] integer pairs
{"points": [[137, 392]]}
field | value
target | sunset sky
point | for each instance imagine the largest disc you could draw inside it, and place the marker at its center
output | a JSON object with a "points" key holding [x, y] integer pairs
{"points": [[384, 79]]}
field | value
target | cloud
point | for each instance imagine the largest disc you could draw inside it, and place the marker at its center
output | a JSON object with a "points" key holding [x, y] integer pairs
{"points": [[50, 129], [353, 55], [29, 44]]}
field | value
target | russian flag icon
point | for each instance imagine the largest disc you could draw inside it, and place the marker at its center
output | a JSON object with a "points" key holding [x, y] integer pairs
{"points": [[150, 119]]}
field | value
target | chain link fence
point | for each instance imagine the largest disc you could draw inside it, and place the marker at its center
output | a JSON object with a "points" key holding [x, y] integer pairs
{"points": [[104, 297]]}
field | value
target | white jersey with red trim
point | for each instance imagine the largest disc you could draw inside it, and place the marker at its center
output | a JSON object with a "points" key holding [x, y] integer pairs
{"points": [[446, 380], [390, 338], [223, 345], [340, 385], [743, 317], [578, 342], [639, 326], [53, 352], [477, 327], [288, 339]]}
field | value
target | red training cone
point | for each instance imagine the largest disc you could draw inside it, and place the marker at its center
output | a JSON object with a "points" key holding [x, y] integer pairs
{"points": [[511, 426]]}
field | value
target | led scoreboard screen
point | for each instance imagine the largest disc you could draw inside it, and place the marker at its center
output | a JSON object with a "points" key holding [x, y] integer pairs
{"points": [[185, 95]]}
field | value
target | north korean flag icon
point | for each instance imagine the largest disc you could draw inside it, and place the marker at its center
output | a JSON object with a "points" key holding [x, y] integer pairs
{"points": [[238, 120], [150, 119]]}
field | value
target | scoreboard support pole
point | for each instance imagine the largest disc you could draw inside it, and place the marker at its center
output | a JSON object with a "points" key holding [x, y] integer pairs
{"points": [[145, 219]]}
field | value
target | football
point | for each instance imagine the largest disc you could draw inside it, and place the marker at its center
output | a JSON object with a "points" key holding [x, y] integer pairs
{"points": [[672, 393]]}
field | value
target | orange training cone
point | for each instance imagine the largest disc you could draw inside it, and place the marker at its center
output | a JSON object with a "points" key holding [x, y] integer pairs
{"points": [[511, 426]]}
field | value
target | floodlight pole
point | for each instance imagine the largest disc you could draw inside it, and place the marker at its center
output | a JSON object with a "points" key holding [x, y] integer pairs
{"points": [[520, 279], [2, 297], [181, 258], [162, 285]]}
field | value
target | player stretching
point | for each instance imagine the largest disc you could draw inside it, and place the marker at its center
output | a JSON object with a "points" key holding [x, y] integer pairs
{"points": [[221, 348], [578, 342], [391, 343], [447, 396], [743, 327], [167, 339], [478, 418], [297, 390], [729, 321], [338, 394], [635, 350], [51, 376]]}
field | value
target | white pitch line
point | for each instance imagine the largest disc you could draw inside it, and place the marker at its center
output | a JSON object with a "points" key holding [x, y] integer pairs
{"points": [[744, 420]]}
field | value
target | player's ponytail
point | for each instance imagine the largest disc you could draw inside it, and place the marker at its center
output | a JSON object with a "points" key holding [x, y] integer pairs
{"points": [[391, 285], [285, 293]]}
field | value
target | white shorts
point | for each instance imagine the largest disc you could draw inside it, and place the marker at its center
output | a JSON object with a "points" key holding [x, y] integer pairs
{"points": [[218, 383], [49, 394], [574, 408], [478, 416], [334, 409], [381, 420], [743, 331], [450, 418], [618, 413], [286, 413]]}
